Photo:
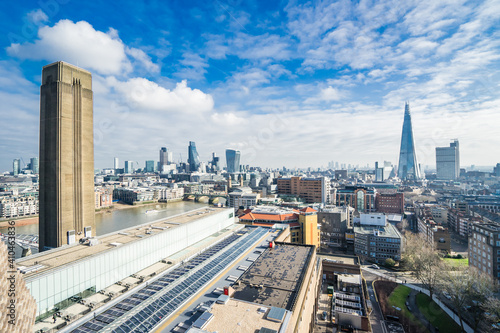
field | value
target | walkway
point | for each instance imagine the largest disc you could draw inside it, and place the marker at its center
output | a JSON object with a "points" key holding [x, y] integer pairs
{"points": [[413, 307], [443, 306]]}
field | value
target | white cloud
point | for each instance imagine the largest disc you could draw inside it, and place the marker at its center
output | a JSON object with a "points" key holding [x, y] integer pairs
{"points": [[144, 95], [37, 17], [79, 43]]}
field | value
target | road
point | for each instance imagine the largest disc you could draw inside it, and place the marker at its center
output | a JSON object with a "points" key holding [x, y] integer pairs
{"points": [[376, 316]]}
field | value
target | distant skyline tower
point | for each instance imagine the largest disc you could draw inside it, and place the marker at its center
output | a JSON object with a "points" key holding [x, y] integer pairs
{"points": [[129, 167], [163, 158], [215, 162], [16, 167], [150, 166], [408, 167], [67, 201], [116, 163], [448, 161], [193, 157], [34, 165], [233, 160]]}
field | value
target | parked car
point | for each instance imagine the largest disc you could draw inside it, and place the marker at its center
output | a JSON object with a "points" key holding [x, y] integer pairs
{"points": [[324, 315], [374, 266]]}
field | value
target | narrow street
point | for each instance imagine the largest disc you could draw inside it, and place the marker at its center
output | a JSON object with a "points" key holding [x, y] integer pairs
{"points": [[323, 326], [376, 316]]}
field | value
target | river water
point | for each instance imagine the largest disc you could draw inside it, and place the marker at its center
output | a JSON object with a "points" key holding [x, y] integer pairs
{"points": [[123, 218]]}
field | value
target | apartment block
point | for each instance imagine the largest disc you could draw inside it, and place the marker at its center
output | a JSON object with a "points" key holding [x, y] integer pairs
{"points": [[312, 190]]}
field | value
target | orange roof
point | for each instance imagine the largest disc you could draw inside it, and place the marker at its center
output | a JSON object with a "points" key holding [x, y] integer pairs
{"points": [[308, 210], [270, 217]]}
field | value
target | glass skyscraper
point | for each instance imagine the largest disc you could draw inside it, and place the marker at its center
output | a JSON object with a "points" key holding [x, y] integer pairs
{"points": [[448, 161], [408, 168], [233, 160], [193, 158]]}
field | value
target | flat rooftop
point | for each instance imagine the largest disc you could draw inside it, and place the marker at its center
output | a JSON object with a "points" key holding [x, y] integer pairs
{"points": [[240, 317], [275, 277], [388, 231], [68, 254], [340, 259]]}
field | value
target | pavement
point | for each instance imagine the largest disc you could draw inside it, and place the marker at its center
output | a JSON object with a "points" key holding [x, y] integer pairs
{"points": [[412, 306], [376, 316], [324, 304], [410, 282]]}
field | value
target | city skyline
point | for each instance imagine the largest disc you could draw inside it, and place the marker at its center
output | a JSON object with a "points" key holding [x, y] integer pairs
{"points": [[326, 83]]}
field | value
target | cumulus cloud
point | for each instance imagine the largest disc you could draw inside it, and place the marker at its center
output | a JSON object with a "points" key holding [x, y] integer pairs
{"points": [[79, 43], [142, 94]]}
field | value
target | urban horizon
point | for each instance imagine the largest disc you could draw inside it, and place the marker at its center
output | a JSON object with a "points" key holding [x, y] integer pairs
{"points": [[267, 89]]}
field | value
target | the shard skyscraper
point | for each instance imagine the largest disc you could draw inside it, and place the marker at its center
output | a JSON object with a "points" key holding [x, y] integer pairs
{"points": [[408, 168]]}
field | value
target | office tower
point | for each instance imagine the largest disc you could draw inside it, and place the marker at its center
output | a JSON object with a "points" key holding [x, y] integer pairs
{"points": [[16, 167], [193, 158], [233, 160], [215, 162], [34, 164], [67, 202], [163, 158], [448, 161], [496, 170], [116, 163], [129, 167], [408, 168], [150, 166]]}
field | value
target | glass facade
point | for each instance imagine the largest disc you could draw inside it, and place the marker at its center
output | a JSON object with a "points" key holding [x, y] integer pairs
{"points": [[193, 158], [233, 160], [106, 268], [408, 168]]}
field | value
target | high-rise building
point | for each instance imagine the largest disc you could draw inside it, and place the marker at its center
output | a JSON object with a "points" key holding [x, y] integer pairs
{"points": [[16, 167], [193, 158], [129, 167], [163, 158], [215, 162], [408, 168], [66, 156], [233, 160], [448, 161], [150, 166], [496, 170], [116, 163], [34, 164]]}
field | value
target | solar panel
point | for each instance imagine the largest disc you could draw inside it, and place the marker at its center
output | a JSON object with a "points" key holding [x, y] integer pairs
{"points": [[115, 312], [94, 325], [124, 306], [105, 318], [167, 301]]}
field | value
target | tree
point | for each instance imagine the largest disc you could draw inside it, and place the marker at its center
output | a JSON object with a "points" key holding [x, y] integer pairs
{"points": [[457, 283], [389, 262], [470, 291], [424, 261], [492, 314], [483, 290]]}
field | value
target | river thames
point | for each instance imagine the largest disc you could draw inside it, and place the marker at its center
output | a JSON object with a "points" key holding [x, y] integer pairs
{"points": [[115, 220]]}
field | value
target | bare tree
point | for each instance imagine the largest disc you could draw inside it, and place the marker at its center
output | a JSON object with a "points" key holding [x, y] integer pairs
{"points": [[471, 292], [482, 291], [424, 261], [492, 314], [457, 284]]}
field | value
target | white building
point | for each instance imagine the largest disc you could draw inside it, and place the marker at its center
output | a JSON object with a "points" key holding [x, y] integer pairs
{"points": [[448, 161]]}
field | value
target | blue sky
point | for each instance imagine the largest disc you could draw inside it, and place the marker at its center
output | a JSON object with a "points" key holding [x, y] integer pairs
{"points": [[288, 83]]}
